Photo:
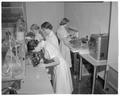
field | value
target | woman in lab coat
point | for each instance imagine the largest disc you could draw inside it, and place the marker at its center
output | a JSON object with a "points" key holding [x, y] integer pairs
{"points": [[36, 34], [62, 80], [49, 34], [62, 35]]}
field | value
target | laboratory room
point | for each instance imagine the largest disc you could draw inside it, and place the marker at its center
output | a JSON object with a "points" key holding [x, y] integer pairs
{"points": [[60, 47]]}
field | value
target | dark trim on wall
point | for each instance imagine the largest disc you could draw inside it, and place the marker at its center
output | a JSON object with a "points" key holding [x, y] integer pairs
{"points": [[110, 12]]}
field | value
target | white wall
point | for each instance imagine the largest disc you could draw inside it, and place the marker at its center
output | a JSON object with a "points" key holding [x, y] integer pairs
{"points": [[39, 12], [88, 17], [113, 39]]}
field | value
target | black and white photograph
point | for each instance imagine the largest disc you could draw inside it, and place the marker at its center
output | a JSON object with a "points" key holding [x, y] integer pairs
{"points": [[59, 47]]}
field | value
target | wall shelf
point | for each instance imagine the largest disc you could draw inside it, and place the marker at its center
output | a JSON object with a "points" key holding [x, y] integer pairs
{"points": [[11, 11]]}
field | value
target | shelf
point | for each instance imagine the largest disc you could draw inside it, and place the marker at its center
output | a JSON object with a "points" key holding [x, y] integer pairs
{"points": [[11, 11], [12, 4], [11, 7]]}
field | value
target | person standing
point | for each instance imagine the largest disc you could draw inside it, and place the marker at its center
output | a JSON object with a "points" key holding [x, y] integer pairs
{"points": [[62, 80], [49, 34], [62, 35]]}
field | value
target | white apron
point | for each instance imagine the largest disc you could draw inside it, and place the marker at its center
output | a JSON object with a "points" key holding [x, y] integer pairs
{"points": [[63, 84], [63, 48]]}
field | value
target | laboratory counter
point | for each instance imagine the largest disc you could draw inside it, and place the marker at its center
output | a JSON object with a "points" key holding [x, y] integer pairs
{"points": [[36, 81]]}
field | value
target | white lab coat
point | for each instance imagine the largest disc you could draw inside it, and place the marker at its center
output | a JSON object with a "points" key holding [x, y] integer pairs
{"points": [[62, 33], [53, 39], [63, 80]]}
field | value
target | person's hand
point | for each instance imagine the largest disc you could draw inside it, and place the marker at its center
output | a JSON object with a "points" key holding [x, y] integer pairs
{"points": [[34, 50], [41, 61]]}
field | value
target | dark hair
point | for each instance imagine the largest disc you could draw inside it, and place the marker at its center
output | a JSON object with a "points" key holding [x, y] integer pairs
{"points": [[64, 21], [35, 27], [47, 25], [31, 45]]}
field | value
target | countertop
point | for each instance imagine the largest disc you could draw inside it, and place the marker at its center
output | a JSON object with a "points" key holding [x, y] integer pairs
{"points": [[36, 81]]}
